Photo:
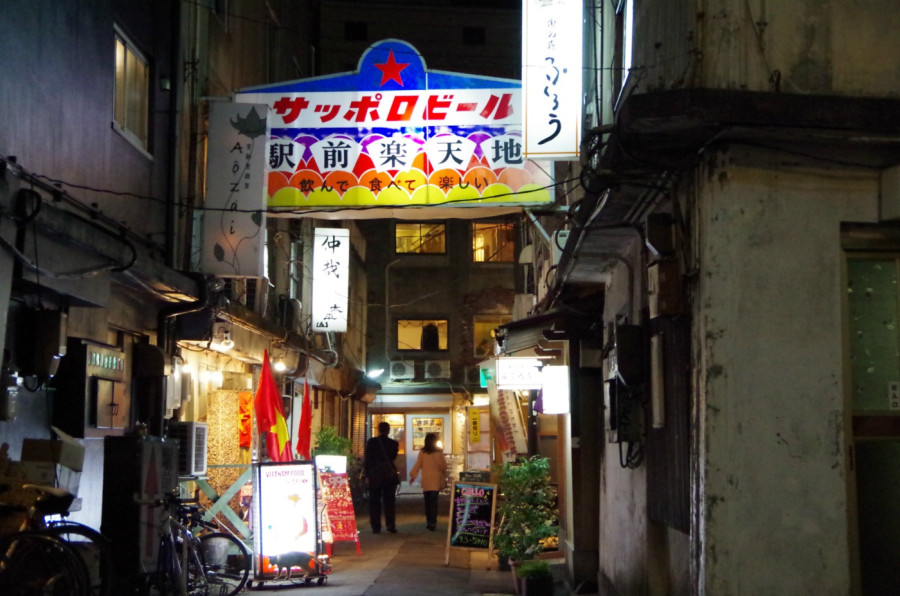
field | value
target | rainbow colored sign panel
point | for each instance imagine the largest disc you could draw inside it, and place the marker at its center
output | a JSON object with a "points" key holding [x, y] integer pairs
{"points": [[396, 134]]}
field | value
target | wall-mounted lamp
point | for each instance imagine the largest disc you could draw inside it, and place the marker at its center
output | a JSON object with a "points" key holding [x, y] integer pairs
{"points": [[221, 340], [278, 355], [375, 373]]}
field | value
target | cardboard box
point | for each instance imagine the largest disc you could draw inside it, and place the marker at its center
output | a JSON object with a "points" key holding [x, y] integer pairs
{"points": [[66, 451], [50, 474]]}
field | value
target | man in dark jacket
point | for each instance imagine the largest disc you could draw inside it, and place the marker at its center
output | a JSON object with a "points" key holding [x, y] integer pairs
{"points": [[382, 478]]}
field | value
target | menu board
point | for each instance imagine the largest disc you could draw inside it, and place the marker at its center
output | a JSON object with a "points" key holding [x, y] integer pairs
{"points": [[471, 516], [341, 519]]}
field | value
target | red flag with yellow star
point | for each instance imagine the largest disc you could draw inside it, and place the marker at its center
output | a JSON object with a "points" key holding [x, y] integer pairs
{"points": [[270, 415], [304, 436]]}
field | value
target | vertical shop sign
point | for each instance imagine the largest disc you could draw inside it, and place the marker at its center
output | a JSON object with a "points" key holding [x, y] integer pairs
{"points": [[331, 270], [552, 77], [474, 426], [233, 217]]}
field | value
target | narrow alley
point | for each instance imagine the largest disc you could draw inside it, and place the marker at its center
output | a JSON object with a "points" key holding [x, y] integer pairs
{"points": [[410, 562]]}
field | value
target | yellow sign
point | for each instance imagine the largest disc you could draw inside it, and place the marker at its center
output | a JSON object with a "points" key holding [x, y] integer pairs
{"points": [[474, 426]]}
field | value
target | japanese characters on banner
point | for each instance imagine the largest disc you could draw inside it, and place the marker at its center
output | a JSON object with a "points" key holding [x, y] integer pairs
{"points": [[507, 415], [552, 77], [395, 134], [339, 514], [234, 231], [331, 272]]}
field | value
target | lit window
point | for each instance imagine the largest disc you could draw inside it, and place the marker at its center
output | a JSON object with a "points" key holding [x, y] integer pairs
{"points": [[420, 238], [422, 334], [493, 242], [131, 93], [483, 327]]}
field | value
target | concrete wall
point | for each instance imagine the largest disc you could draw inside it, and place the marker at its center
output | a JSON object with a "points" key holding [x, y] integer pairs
{"points": [[840, 47], [768, 331], [441, 43]]}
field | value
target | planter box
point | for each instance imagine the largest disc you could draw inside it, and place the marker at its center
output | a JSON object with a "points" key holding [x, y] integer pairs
{"points": [[537, 586]]}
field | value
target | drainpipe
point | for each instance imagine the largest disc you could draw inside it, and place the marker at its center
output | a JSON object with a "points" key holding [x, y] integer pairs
{"points": [[387, 312], [166, 313]]}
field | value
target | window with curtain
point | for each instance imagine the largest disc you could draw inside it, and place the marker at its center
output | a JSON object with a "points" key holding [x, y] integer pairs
{"points": [[493, 242], [420, 238], [132, 93]]}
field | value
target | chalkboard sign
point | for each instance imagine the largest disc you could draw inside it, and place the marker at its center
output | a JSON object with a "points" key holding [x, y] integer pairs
{"points": [[471, 516]]}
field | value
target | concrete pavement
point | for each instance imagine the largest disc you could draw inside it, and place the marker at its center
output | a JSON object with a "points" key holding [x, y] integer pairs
{"points": [[410, 562]]}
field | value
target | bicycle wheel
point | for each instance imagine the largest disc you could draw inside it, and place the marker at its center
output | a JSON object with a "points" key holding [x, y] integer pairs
{"points": [[168, 579], [95, 550], [226, 562], [33, 563]]}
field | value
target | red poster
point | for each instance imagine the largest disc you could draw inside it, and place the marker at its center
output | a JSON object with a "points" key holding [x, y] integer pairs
{"points": [[335, 491]]}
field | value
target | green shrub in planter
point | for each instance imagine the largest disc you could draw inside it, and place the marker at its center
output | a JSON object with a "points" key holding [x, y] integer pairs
{"points": [[532, 569], [535, 577], [329, 442], [527, 508]]}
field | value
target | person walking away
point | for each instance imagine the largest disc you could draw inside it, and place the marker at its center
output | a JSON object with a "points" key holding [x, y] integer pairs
{"points": [[382, 478], [433, 466]]}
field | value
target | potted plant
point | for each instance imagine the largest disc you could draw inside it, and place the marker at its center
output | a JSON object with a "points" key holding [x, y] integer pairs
{"points": [[527, 509], [536, 578], [329, 442]]}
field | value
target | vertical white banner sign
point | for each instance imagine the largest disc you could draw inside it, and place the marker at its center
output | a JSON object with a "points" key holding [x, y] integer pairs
{"points": [[234, 232], [552, 77], [331, 272]]}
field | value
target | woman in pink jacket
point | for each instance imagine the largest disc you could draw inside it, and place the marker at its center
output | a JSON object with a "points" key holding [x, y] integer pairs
{"points": [[433, 467]]}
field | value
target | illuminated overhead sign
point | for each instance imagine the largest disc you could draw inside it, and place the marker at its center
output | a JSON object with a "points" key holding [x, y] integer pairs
{"points": [[331, 272], [552, 77], [519, 373], [396, 134]]}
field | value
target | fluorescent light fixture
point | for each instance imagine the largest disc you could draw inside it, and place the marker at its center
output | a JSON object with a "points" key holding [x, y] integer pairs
{"points": [[518, 373]]}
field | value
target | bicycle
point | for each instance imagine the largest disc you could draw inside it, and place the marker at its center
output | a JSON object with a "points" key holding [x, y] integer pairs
{"points": [[193, 561], [35, 560]]}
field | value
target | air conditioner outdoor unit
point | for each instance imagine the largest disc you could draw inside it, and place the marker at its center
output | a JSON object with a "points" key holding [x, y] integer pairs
{"points": [[192, 438], [437, 369], [403, 370]]}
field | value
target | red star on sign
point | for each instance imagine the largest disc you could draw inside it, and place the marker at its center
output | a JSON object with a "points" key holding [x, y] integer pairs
{"points": [[390, 70]]}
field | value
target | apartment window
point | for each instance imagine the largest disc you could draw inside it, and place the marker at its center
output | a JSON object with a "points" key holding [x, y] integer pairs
{"points": [[493, 242], [483, 327], [356, 31], [132, 92], [473, 36], [420, 238], [427, 335]]}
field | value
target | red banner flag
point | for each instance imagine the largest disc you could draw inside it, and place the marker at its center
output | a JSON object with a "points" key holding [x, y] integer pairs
{"points": [[270, 415], [304, 436]]}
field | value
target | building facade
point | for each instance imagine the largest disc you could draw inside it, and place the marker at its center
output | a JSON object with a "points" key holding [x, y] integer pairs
{"points": [[733, 250], [109, 322]]}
